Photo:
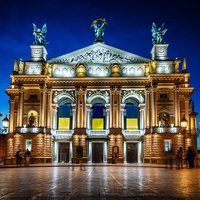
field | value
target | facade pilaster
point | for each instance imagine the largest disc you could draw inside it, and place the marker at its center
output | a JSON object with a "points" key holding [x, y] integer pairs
{"points": [[119, 118], [12, 114], [176, 106], [80, 115], [153, 106], [107, 116], [116, 108], [49, 110], [20, 107], [88, 116], [142, 111], [43, 106], [73, 116], [54, 116], [147, 108], [122, 115], [187, 108]]}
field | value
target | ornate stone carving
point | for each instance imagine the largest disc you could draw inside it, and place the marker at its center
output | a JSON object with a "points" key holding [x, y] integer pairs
{"points": [[59, 94], [63, 71], [90, 95], [33, 68], [98, 70], [80, 70], [116, 70], [138, 94], [98, 55], [133, 70]]}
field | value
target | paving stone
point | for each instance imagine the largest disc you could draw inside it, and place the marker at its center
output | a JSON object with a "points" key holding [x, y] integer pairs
{"points": [[106, 182]]}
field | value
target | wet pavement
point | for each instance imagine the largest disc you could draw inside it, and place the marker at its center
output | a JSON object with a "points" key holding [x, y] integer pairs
{"points": [[96, 182]]}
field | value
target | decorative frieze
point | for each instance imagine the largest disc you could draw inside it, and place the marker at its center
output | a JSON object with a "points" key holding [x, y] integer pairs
{"points": [[138, 94], [60, 94], [91, 94]]}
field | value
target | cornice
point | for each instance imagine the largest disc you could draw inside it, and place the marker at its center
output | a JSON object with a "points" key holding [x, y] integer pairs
{"points": [[22, 79], [98, 81], [177, 78]]}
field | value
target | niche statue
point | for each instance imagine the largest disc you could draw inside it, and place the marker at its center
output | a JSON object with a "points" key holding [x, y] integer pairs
{"points": [[31, 120]]}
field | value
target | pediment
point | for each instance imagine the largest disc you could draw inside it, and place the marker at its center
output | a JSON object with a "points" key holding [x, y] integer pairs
{"points": [[98, 53]]}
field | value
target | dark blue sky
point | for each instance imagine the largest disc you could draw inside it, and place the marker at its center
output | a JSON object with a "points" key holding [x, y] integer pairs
{"points": [[129, 28]]}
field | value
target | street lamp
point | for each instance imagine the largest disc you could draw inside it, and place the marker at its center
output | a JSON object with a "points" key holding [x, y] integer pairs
{"points": [[184, 123], [5, 124], [184, 126]]}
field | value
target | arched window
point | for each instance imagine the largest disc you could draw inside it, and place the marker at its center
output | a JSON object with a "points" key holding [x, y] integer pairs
{"points": [[131, 117], [64, 117], [98, 116]]}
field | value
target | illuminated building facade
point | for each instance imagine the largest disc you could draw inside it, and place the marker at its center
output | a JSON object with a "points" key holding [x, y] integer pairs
{"points": [[112, 103]]}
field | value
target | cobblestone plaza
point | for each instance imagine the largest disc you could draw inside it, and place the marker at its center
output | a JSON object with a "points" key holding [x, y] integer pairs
{"points": [[99, 182]]}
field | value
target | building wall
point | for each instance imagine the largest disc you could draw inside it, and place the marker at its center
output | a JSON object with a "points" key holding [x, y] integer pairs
{"points": [[161, 91]]}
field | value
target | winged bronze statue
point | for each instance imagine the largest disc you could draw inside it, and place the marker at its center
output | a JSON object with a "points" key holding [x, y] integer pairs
{"points": [[99, 26], [40, 35], [158, 34]]}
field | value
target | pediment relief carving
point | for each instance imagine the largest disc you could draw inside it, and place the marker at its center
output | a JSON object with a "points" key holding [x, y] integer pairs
{"points": [[99, 53]]}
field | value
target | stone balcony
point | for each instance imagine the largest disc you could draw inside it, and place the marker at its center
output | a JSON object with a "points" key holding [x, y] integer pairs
{"points": [[32, 130], [156, 129]]}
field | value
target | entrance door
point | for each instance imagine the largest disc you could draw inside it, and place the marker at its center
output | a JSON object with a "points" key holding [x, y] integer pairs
{"points": [[63, 153], [131, 152], [97, 152]]}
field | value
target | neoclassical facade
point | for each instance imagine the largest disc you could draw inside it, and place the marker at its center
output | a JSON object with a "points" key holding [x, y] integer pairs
{"points": [[109, 102]]}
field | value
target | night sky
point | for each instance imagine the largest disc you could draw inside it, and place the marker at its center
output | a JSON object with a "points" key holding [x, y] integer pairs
{"points": [[68, 29]]}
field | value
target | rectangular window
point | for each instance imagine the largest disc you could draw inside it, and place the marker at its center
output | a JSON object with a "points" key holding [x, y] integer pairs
{"points": [[29, 144], [167, 145], [164, 97]]}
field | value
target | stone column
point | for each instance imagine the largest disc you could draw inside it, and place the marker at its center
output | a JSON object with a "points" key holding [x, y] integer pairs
{"points": [[73, 116], [12, 111], [139, 152], [115, 108], [21, 107], [49, 110], [187, 108], [125, 159], [122, 115], [80, 115], [54, 116], [176, 106], [142, 107], [147, 108], [119, 117], [153, 106], [55, 152], [43, 107], [105, 150], [88, 116], [107, 116]]}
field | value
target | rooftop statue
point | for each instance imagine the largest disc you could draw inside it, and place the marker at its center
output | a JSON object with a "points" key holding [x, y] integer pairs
{"points": [[158, 33], [99, 27], [39, 35]]}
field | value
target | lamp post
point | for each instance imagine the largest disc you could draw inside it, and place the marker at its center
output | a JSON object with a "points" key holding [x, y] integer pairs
{"points": [[5, 124], [184, 126]]}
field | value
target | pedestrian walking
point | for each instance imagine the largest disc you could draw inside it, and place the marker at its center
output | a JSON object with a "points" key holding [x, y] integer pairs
{"points": [[169, 159], [18, 157], [191, 154], [27, 157], [179, 160]]}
